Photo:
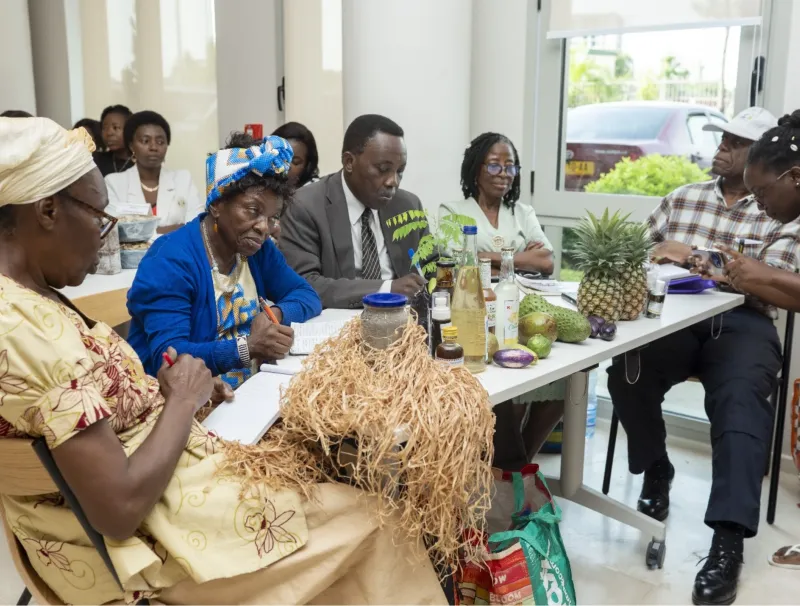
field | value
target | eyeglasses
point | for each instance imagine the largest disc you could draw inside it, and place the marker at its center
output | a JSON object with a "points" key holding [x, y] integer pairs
{"points": [[760, 196], [494, 169], [104, 221]]}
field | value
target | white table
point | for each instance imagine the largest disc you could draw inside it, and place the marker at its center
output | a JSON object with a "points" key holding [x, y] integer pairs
{"points": [[245, 419], [95, 284]]}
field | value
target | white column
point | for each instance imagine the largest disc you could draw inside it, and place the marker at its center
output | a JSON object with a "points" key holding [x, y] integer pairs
{"points": [[16, 62], [312, 50], [410, 61], [499, 30]]}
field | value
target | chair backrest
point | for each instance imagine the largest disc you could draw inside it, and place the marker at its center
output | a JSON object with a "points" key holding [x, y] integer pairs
{"points": [[21, 471], [109, 307]]}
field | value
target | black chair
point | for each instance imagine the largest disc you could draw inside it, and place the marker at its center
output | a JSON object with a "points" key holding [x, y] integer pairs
{"points": [[779, 399]]}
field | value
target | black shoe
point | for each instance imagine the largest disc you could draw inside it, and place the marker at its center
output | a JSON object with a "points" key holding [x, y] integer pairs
{"points": [[654, 498], [717, 580]]}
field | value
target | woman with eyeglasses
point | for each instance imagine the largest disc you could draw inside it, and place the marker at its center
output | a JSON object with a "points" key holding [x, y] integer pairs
{"points": [[490, 183], [178, 520], [199, 288]]}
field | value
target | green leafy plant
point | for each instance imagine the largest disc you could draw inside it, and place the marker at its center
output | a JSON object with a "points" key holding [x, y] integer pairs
{"points": [[442, 233], [652, 175]]}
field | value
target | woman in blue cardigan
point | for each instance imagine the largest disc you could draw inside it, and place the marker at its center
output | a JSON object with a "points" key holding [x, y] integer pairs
{"points": [[198, 288]]}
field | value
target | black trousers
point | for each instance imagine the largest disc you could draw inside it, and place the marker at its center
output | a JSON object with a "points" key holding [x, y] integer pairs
{"points": [[739, 370]]}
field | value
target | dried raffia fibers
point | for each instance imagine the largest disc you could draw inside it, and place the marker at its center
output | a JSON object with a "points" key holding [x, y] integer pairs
{"points": [[437, 484]]}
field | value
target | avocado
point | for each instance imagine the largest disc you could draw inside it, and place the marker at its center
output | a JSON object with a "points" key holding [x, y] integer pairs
{"points": [[492, 345], [537, 323], [572, 326]]}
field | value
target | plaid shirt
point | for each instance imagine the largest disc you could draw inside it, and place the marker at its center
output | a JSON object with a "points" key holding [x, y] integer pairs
{"points": [[697, 215]]}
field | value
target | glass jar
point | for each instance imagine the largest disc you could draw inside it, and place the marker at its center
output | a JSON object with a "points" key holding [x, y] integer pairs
{"points": [[385, 315]]}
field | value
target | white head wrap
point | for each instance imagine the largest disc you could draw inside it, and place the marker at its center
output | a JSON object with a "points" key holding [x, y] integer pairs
{"points": [[39, 158]]}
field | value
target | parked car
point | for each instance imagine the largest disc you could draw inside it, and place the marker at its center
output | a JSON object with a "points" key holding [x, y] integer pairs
{"points": [[601, 134]]}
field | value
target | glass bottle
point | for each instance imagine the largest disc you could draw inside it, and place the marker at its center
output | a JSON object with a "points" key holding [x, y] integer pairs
{"points": [[468, 308], [445, 272], [448, 351], [507, 293], [440, 318], [488, 295]]}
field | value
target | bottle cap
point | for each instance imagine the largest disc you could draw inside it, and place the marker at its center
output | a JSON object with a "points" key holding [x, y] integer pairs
{"points": [[440, 306], [450, 332], [470, 230], [660, 287]]}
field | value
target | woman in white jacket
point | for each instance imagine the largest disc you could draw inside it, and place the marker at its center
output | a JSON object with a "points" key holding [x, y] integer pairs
{"points": [[148, 187]]}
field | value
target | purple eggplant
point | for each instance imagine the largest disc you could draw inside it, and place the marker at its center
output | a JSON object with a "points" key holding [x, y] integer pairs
{"points": [[608, 331], [596, 322]]}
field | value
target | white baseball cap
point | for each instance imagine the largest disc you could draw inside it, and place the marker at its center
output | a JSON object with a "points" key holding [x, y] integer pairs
{"points": [[748, 124]]}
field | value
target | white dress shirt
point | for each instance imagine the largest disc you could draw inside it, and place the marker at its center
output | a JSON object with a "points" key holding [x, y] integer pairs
{"points": [[355, 209]]}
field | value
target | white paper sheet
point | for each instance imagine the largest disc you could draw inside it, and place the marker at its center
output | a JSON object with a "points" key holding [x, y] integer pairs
{"points": [[307, 336]]}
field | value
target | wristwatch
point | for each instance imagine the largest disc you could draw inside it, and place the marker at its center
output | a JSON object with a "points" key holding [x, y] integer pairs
{"points": [[244, 351]]}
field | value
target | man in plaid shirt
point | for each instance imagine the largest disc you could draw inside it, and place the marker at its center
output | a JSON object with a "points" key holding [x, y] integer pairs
{"points": [[736, 357]]}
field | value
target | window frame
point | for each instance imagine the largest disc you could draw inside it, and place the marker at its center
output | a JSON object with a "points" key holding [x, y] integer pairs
{"points": [[554, 205]]}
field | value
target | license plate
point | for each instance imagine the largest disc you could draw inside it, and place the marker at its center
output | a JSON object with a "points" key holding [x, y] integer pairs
{"points": [[576, 168]]}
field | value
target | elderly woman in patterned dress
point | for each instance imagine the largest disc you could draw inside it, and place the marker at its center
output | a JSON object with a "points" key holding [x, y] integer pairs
{"points": [[144, 471]]}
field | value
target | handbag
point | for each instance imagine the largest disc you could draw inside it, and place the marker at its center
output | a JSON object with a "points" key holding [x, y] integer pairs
{"points": [[525, 563]]}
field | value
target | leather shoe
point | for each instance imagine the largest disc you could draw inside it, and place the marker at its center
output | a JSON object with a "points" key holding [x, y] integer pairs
{"points": [[654, 498], [717, 580]]}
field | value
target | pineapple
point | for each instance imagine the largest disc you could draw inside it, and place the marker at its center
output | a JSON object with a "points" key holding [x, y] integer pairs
{"points": [[599, 254], [636, 245]]}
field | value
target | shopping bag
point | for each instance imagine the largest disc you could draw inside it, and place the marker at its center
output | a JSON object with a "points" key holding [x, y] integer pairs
{"points": [[795, 444], [527, 562]]}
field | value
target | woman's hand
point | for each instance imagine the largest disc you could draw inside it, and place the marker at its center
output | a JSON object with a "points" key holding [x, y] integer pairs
{"points": [[222, 392], [745, 273], [269, 341], [188, 380], [671, 251]]}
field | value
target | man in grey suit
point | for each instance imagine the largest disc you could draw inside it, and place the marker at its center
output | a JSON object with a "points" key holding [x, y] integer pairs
{"points": [[334, 232]]}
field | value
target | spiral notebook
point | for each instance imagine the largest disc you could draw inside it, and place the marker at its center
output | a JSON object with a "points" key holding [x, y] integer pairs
{"points": [[307, 336]]}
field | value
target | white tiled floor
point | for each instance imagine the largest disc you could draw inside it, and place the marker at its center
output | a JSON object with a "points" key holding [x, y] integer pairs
{"points": [[608, 558]]}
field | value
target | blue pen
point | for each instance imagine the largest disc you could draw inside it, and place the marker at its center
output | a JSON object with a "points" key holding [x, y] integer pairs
{"points": [[411, 256]]}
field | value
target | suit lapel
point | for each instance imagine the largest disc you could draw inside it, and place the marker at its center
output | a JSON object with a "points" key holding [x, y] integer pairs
{"points": [[339, 221]]}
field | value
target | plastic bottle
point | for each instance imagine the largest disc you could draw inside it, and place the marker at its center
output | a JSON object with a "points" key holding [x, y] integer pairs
{"points": [[591, 412]]}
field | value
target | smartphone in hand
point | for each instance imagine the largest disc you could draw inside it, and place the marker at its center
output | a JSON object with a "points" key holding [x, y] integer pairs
{"points": [[712, 261]]}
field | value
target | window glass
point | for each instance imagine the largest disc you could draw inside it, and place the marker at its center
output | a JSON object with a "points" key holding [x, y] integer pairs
{"points": [[631, 105]]}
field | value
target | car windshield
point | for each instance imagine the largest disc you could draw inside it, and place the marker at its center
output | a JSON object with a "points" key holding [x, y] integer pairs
{"points": [[604, 123]]}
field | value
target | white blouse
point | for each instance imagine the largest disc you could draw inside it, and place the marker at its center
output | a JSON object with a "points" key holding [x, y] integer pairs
{"points": [[517, 229], [177, 203]]}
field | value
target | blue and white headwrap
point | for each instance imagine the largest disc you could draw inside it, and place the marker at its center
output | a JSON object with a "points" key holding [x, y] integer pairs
{"points": [[227, 166]]}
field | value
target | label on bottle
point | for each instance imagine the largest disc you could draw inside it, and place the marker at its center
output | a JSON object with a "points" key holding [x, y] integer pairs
{"points": [[491, 315], [456, 362], [654, 308], [510, 321]]}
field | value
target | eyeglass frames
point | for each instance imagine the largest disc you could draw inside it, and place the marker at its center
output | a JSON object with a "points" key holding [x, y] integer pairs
{"points": [[105, 221], [494, 169]]}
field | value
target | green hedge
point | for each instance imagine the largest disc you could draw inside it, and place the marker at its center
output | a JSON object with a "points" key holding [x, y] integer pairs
{"points": [[652, 175]]}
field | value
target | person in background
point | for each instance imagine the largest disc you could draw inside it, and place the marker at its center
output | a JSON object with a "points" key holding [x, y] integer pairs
{"points": [[334, 232], [147, 475], [199, 288], [148, 187], [490, 183], [115, 157], [305, 163], [736, 356], [93, 127], [15, 113], [773, 177]]}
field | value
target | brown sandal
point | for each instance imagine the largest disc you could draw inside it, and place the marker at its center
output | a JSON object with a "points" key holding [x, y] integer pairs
{"points": [[786, 557]]}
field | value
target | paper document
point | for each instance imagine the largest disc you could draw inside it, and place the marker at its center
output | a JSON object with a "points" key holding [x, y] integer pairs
{"points": [[310, 334], [669, 272], [541, 287]]}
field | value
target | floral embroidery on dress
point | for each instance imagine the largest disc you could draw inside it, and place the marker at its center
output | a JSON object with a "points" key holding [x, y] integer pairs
{"points": [[200, 438], [54, 500], [9, 384], [49, 553], [268, 527]]}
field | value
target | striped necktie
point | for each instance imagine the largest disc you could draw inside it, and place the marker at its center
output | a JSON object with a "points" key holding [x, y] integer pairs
{"points": [[370, 265]]}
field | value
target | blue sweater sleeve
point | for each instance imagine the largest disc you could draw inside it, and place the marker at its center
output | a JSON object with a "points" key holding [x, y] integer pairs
{"points": [[160, 301], [295, 297]]}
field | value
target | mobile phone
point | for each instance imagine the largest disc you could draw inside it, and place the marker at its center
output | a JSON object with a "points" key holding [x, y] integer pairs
{"points": [[569, 299], [713, 260]]}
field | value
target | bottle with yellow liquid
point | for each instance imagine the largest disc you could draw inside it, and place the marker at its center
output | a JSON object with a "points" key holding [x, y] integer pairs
{"points": [[468, 308]]}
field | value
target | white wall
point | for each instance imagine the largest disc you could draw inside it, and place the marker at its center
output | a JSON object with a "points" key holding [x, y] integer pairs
{"points": [[16, 61], [249, 60], [410, 60]]}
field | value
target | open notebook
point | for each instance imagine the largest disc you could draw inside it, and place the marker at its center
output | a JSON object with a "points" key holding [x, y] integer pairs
{"points": [[307, 336]]}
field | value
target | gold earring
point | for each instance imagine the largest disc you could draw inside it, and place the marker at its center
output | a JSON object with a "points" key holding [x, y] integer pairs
{"points": [[216, 227]]}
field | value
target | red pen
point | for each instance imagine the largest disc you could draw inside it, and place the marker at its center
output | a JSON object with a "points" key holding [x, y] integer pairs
{"points": [[170, 362]]}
